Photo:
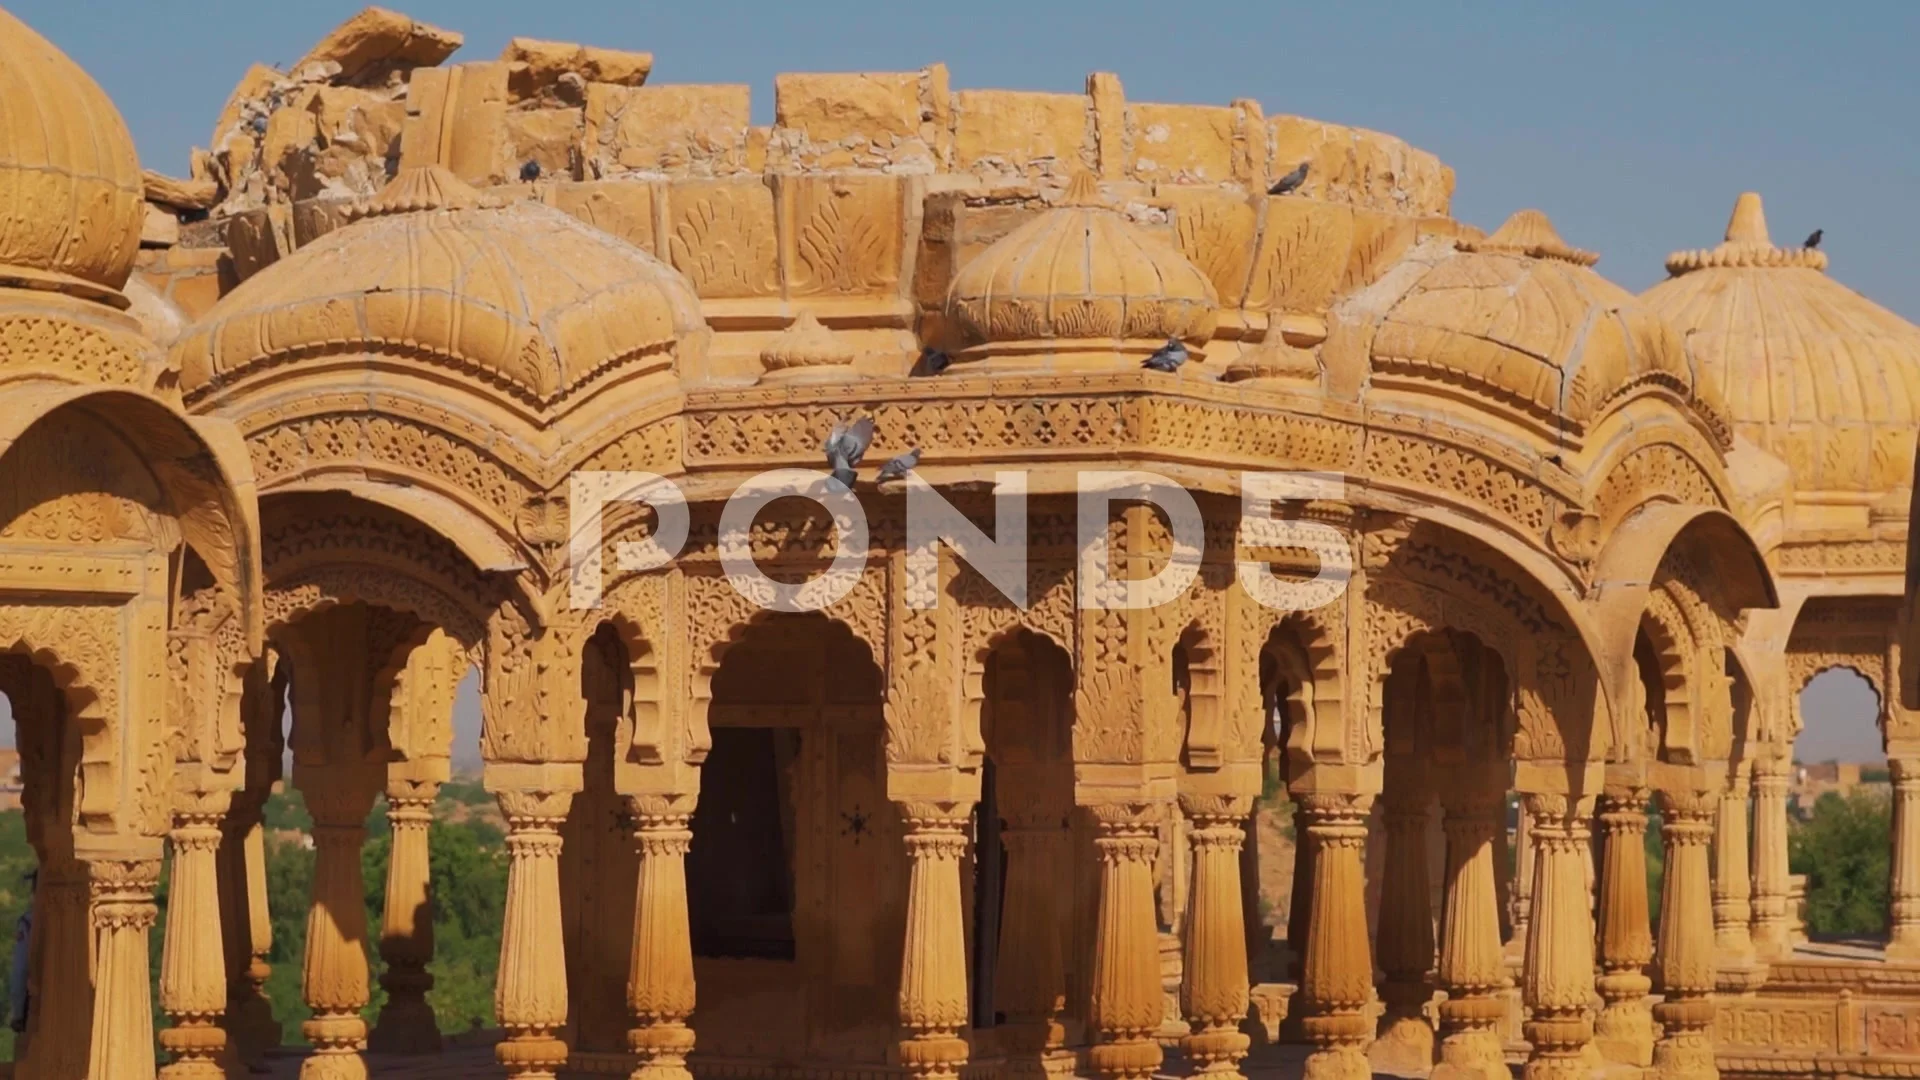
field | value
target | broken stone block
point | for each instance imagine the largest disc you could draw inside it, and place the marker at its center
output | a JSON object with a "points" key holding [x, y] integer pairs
{"points": [[839, 108], [1011, 131], [161, 227], [688, 129], [619, 67], [179, 194], [1186, 143], [456, 117], [544, 68], [548, 137], [251, 88], [377, 37]]}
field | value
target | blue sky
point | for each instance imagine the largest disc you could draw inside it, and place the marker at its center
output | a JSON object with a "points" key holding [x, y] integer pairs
{"points": [[1632, 124]]}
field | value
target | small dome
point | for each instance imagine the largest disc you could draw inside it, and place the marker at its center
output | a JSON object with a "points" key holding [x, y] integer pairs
{"points": [[432, 271], [1082, 272], [1521, 317], [1811, 371], [70, 194]]}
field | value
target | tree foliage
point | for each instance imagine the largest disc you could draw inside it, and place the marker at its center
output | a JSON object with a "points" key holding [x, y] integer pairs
{"points": [[1845, 848], [469, 869]]}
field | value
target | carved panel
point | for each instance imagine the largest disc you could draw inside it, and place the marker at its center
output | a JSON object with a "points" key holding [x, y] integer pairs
{"points": [[720, 234], [843, 233], [77, 351]]}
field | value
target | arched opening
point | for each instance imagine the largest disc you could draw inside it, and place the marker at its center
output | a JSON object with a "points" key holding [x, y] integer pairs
{"points": [[599, 864], [1840, 710], [1274, 861], [796, 879], [42, 885], [1023, 838]]}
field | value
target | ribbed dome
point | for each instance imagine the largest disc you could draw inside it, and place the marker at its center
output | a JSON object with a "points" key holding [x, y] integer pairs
{"points": [[70, 195], [1081, 271], [1812, 372], [437, 273], [1522, 318]]}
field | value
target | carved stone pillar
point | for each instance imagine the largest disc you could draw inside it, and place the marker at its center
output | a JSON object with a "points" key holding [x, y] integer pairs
{"points": [[1772, 930], [1903, 942], [1558, 977], [407, 1024], [122, 914], [1405, 1039], [1685, 957], [1213, 992], [1625, 1028], [1337, 983], [251, 1028], [59, 1023], [1300, 904], [1299, 907], [1030, 967], [1738, 963], [193, 977], [933, 963], [259, 941], [1520, 891], [1472, 971], [660, 988], [530, 994], [334, 978], [1127, 1000]]}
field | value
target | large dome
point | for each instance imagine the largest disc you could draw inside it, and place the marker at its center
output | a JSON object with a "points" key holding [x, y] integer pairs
{"points": [[1521, 318], [70, 194], [1812, 372], [435, 273], [1080, 272]]}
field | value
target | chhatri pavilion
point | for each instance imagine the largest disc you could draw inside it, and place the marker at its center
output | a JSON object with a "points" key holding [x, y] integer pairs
{"points": [[286, 447]]}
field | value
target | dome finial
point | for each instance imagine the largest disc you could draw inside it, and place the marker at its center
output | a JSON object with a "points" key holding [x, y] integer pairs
{"points": [[1747, 245], [1529, 233], [423, 187], [1748, 225]]}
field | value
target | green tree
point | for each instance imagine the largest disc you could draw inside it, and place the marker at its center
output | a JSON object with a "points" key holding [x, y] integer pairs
{"points": [[1844, 848]]}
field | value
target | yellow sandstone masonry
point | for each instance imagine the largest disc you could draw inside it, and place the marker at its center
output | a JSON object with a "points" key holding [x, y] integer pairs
{"points": [[302, 428]]}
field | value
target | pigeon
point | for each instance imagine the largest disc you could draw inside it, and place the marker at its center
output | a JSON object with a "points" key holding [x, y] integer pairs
{"points": [[932, 362], [529, 172], [1813, 238], [899, 467], [1286, 184], [259, 124], [845, 446], [1168, 357]]}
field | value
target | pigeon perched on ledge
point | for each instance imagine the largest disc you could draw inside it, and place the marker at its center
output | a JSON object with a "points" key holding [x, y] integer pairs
{"points": [[1168, 357], [1813, 239], [1286, 184], [529, 171], [932, 362]]}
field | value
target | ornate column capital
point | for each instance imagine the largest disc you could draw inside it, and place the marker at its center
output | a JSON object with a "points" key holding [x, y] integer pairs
{"points": [[122, 892]]}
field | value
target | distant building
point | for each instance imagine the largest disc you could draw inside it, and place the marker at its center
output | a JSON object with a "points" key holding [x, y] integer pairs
{"points": [[9, 779], [1841, 777]]}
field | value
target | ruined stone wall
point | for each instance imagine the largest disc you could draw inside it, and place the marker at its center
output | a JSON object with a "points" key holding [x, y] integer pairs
{"points": [[857, 205]]}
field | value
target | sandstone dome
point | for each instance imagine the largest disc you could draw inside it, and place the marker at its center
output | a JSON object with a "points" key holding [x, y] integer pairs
{"points": [[1081, 273], [1812, 372], [71, 205], [431, 272], [1521, 317]]}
